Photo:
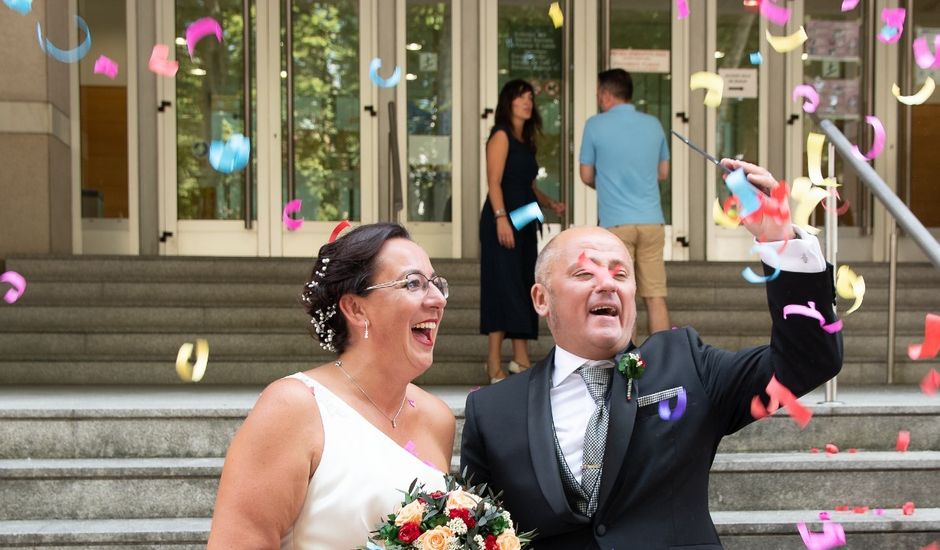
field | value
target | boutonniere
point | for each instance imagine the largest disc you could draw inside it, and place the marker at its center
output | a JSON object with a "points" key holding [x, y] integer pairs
{"points": [[632, 366]]}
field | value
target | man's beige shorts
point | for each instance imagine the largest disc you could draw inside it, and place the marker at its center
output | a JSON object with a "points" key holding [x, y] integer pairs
{"points": [[646, 243]]}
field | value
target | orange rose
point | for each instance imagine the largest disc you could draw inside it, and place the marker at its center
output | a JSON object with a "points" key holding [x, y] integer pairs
{"points": [[435, 539], [508, 540], [462, 499], [413, 512]]}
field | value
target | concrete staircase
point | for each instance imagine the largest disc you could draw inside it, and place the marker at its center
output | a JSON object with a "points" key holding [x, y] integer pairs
{"points": [[102, 446]]}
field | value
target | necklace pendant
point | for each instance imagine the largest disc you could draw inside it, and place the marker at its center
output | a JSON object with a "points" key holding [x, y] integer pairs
{"points": [[394, 424]]}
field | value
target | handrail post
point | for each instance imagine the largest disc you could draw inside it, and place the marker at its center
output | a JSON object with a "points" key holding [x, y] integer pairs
{"points": [[892, 298], [832, 250]]}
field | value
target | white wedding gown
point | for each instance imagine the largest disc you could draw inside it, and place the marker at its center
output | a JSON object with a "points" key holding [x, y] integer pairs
{"points": [[360, 479]]}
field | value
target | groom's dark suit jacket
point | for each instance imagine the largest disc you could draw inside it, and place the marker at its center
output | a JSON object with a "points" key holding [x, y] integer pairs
{"points": [[654, 486]]}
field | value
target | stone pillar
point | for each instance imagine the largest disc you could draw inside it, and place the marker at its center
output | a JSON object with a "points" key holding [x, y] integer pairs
{"points": [[36, 176]]}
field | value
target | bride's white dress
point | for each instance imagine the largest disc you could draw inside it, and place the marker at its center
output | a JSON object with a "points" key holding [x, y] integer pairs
{"points": [[359, 481]]}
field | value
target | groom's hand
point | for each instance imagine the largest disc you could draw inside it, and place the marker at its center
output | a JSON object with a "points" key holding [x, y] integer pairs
{"points": [[765, 228]]}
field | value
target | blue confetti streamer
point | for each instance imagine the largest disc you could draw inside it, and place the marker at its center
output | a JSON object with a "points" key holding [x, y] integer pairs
{"points": [[756, 279], [230, 156], [739, 186], [390, 82], [756, 58], [524, 215], [21, 7], [66, 56]]}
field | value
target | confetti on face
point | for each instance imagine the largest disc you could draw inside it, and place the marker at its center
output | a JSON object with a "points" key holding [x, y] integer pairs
{"points": [[921, 96], [21, 7], [931, 344], [390, 82], [931, 382], [810, 310], [832, 536], [922, 55], [712, 83], [557, 17], [290, 208], [106, 66], [850, 286], [849, 5], [756, 58], [199, 29], [878, 143], [810, 94], [524, 215], [230, 156], [784, 44], [336, 230], [66, 56], [778, 15], [682, 9], [904, 440], [894, 20], [17, 281], [756, 279], [160, 62], [673, 414], [195, 372]]}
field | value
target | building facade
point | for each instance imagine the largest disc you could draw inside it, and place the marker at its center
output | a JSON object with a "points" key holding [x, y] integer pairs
{"points": [[100, 166]]}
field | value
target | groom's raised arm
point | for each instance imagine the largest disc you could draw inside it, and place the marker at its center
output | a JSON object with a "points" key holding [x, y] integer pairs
{"points": [[473, 462]]}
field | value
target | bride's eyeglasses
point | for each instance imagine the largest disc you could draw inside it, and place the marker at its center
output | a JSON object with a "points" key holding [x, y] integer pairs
{"points": [[416, 282]]}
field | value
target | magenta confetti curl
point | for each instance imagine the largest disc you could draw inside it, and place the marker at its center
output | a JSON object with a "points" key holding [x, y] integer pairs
{"points": [[878, 143], [17, 281], [106, 66], [199, 29], [290, 208], [810, 310], [832, 536], [682, 9], [810, 94], [922, 55], [778, 15]]}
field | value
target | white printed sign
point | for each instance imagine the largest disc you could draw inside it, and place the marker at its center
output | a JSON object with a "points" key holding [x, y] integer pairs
{"points": [[739, 83], [640, 61]]}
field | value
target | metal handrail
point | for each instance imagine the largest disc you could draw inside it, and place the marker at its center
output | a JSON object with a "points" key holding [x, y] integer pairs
{"points": [[395, 199]]}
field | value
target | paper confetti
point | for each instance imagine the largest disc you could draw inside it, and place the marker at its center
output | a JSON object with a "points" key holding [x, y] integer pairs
{"points": [[850, 286], [904, 440], [921, 96], [390, 82], [682, 9], [66, 56], [842, 508], [722, 217], [160, 63], [195, 372], [756, 279], [746, 194], [21, 7], [922, 55], [811, 95], [832, 536], [336, 230], [878, 511], [931, 344], [932, 546], [778, 15], [780, 396], [524, 215], [290, 208], [908, 508], [199, 29], [831, 449], [849, 5], [784, 44], [860, 510], [814, 150], [557, 17], [106, 66], [894, 21], [230, 156], [931, 382], [810, 310], [839, 210], [674, 414], [824, 516], [712, 82], [756, 58], [878, 143], [18, 282]]}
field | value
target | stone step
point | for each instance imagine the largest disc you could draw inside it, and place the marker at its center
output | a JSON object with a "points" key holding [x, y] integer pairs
{"points": [[767, 530]]}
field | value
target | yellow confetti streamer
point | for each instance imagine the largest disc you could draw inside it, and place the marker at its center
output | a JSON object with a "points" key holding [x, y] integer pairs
{"points": [[921, 96], [783, 44], [814, 149], [558, 18], [723, 219], [800, 187], [805, 207], [711, 82], [195, 372], [849, 286]]}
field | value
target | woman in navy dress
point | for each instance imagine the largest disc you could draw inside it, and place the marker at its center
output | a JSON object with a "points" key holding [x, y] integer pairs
{"points": [[507, 254]]}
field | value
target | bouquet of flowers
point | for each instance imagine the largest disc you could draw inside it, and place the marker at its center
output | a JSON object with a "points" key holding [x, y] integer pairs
{"points": [[456, 519]]}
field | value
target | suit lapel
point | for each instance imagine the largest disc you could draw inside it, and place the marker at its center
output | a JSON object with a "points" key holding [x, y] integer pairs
{"points": [[622, 417], [541, 437]]}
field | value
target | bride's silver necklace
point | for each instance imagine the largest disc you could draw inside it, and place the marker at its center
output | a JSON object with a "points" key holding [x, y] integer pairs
{"points": [[392, 419]]}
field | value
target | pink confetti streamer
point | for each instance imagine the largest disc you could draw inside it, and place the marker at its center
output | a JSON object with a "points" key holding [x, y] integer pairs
{"points": [[160, 62], [780, 396], [839, 210], [17, 281], [824, 516], [810, 310], [904, 440], [336, 230], [879, 511], [849, 5], [775, 14], [931, 344], [922, 55], [290, 208], [832, 536], [410, 447], [930, 382], [810, 94], [908, 508], [106, 66], [894, 21], [595, 269], [878, 143], [199, 29], [682, 9]]}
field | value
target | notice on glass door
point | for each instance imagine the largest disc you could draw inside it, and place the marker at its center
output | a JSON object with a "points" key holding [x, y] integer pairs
{"points": [[739, 83], [640, 61]]}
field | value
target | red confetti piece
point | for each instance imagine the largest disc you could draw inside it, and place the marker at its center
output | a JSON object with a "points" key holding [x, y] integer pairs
{"points": [[931, 382], [933, 545], [931, 345], [842, 508], [831, 449], [336, 230], [839, 210], [908, 508], [814, 450], [853, 451], [780, 396], [904, 439], [860, 509]]}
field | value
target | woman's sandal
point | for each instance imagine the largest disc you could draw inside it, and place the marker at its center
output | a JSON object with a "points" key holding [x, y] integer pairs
{"points": [[516, 368]]}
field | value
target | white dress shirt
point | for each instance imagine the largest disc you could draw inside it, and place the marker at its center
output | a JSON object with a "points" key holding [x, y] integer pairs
{"points": [[572, 405]]}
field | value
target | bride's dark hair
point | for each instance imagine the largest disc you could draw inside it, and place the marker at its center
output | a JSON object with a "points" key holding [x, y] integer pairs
{"points": [[344, 266]]}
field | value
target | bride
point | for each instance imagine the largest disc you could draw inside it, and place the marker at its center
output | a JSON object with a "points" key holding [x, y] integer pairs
{"points": [[324, 454]]}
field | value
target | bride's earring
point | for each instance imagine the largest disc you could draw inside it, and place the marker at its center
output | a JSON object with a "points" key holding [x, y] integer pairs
{"points": [[366, 333]]}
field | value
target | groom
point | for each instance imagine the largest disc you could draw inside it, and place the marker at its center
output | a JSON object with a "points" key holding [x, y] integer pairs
{"points": [[590, 468]]}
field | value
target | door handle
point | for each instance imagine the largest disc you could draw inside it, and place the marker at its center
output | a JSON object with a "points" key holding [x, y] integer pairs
{"points": [[163, 105], [681, 115], [165, 236], [792, 119], [683, 240], [370, 109], [486, 113]]}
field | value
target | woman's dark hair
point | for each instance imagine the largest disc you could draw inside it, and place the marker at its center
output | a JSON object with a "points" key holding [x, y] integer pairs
{"points": [[503, 118], [344, 266]]}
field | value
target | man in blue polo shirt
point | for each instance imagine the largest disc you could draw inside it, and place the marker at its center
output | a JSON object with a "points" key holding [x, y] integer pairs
{"points": [[624, 156]]}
